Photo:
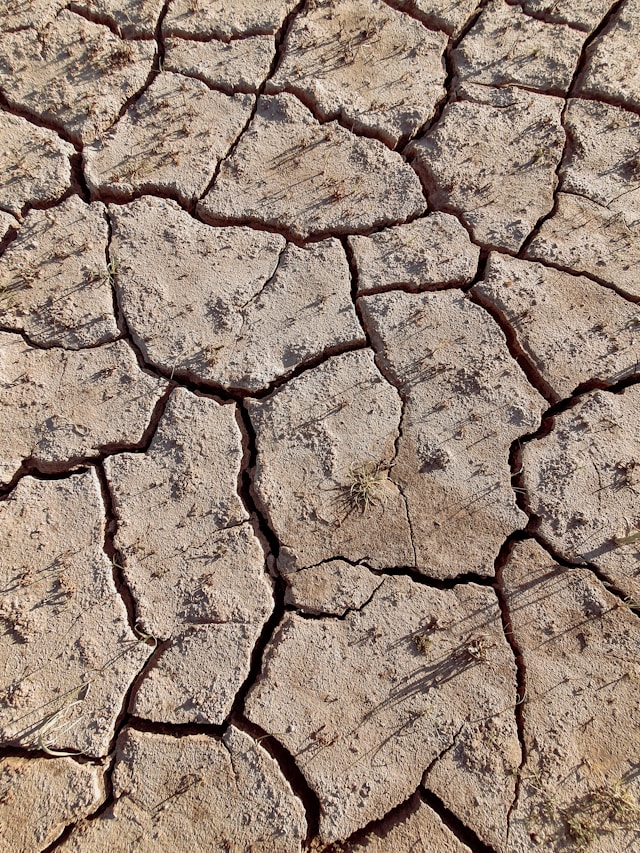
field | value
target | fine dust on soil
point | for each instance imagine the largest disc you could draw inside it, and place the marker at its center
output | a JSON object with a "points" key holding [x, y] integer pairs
{"points": [[319, 426]]}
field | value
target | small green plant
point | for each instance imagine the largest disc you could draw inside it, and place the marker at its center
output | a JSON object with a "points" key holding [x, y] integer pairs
{"points": [[366, 486], [601, 811]]}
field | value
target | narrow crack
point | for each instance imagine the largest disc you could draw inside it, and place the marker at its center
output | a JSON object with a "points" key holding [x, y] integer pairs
{"points": [[545, 18], [462, 832], [8, 330], [105, 20], [38, 120], [380, 827]]}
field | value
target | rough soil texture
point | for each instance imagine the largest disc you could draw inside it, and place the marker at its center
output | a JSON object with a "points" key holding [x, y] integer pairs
{"points": [[319, 426]]}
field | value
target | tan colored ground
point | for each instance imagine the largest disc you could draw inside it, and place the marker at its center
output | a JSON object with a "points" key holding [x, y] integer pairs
{"points": [[319, 426]]}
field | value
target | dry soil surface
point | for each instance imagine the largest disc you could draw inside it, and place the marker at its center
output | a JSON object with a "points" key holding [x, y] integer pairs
{"points": [[319, 426]]}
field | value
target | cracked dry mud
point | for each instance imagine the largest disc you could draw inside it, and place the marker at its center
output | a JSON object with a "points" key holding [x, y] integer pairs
{"points": [[319, 426]]}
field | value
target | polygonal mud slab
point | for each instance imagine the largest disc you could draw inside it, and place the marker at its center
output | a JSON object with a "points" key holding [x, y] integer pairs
{"points": [[379, 71], [582, 14], [294, 174], [170, 140], [182, 794], [603, 163], [492, 159], [447, 15], [255, 307], [40, 797], [68, 653], [60, 406], [73, 72], [583, 482], [325, 441], [465, 401], [34, 164], [430, 252], [507, 47], [418, 677], [416, 828], [236, 66], [191, 559], [580, 649], [55, 279], [330, 588], [612, 71], [225, 19], [130, 18], [586, 237], [16, 14], [571, 329]]}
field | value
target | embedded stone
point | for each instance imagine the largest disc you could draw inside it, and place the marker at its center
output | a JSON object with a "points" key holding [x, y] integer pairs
{"points": [[571, 329], [191, 559], [491, 159], [240, 65], [255, 308], [508, 47], [417, 827], [182, 794], [328, 61], [331, 588], [292, 173], [611, 70], [61, 406], [170, 140], [582, 484], [40, 797], [431, 252], [74, 73], [579, 648], [416, 676], [466, 401], [130, 18], [586, 237], [68, 654], [225, 19], [56, 278], [325, 444], [34, 164]]}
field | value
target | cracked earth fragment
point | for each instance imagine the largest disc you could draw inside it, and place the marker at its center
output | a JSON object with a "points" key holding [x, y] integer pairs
{"points": [[466, 400], [583, 481], [292, 173], [491, 159], [580, 648], [192, 561], [170, 140], [225, 19], [258, 307], [330, 588], [7, 222], [68, 652], [130, 18], [572, 330], [194, 793], [418, 827], [447, 15], [328, 61], [415, 693], [434, 251], [507, 47], [59, 406], [582, 14], [315, 437], [612, 71], [240, 65], [596, 227], [60, 73], [54, 279], [59, 792], [17, 15], [34, 164]]}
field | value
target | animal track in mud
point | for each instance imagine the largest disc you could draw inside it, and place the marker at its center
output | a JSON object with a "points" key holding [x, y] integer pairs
{"points": [[250, 257]]}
